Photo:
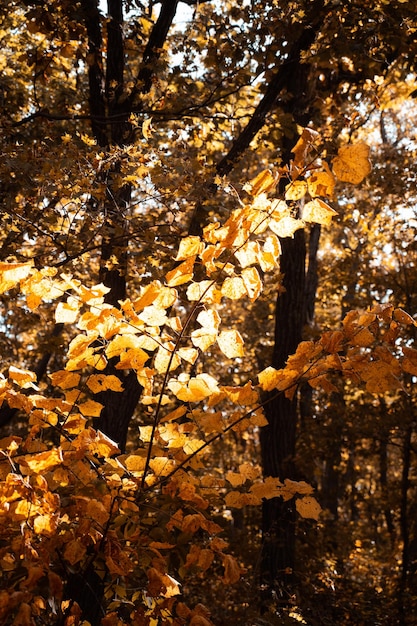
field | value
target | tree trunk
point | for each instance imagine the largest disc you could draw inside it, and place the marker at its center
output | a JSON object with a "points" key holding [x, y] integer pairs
{"points": [[278, 438]]}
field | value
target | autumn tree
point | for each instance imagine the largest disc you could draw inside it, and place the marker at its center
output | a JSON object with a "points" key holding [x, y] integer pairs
{"points": [[158, 162]]}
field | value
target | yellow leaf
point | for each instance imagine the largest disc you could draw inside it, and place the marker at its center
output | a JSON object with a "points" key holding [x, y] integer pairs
{"points": [[321, 183], [204, 291], [95, 442], [252, 282], [235, 479], [135, 462], [166, 358], [147, 128], [153, 316], [181, 274], [233, 288], [271, 251], [89, 141], [263, 182], [162, 466], [204, 337], [248, 254], [188, 354], [209, 319], [101, 382], [296, 190], [231, 343], [122, 343], [45, 525], [244, 396], [24, 378], [174, 415], [43, 461], [269, 378], [12, 273], [352, 163], [319, 212], [194, 389], [308, 507], [237, 500], [90, 408], [64, 379], [189, 247], [155, 293], [187, 492], [286, 226], [75, 424], [93, 295]]}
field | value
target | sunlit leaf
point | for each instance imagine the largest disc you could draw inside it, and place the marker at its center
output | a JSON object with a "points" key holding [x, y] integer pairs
{"points": [[352, 163], [252, 282], [321, 183], [181, 274], [12, 273], [286, 226], [233, 288], [231, 343], [24, 378], [296, 190], [264, 181], [319, 212], [189, 247], [43, 461]]}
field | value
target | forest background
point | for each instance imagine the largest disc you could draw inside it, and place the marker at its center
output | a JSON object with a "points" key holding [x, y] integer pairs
{"points": [[207, 290]]}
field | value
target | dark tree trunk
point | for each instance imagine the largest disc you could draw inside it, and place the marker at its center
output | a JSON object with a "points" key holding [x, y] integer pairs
{"points": [[278, 438]]}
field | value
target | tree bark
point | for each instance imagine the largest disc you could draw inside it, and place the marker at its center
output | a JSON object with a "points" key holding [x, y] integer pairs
{"points": [[278, 437]]}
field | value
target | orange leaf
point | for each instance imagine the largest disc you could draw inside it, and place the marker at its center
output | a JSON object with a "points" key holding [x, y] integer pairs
{"points": [[24, 378], [97, 512], [265, 181], [308, 507], [12, 273], [43, 461], [64, 379], [181, 274], [321, 183], [232, 570], [90, 408], [352, 163], [74, 551], [101, 382]]}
